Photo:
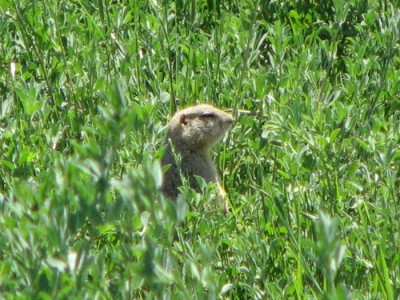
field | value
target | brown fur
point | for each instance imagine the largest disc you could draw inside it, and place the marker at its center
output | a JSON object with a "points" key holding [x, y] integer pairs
{"points": [[190, 135]]}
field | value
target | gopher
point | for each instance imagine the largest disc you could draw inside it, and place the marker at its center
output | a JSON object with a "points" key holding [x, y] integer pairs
{"points": [[190, 135]]}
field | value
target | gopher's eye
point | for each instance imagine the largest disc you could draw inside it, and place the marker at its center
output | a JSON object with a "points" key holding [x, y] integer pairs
{"points": [[207, 115]]}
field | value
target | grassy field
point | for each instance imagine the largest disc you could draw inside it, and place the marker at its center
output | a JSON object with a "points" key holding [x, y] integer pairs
{"points": [[311, 165]]}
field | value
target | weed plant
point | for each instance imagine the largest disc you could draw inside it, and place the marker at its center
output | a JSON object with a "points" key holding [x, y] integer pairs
{"points": [[311, 165]]}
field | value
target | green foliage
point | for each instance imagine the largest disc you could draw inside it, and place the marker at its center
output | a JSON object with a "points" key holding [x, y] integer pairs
{"points": [[311, 166]]}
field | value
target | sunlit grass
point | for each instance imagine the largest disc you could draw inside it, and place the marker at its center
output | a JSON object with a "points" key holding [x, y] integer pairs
{"points": [[311, 165]]}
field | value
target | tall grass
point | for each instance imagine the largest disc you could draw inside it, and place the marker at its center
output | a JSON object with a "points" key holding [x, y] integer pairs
{"points": [[311, 165]]}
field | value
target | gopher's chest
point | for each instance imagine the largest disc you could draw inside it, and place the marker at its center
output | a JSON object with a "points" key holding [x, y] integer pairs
{"points": [[200, 166]]}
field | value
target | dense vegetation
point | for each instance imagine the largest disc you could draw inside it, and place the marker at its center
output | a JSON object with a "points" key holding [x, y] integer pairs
{"points": [[311, 165]]}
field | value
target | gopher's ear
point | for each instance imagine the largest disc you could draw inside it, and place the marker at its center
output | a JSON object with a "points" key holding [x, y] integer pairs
{"points": [[182, 119]]}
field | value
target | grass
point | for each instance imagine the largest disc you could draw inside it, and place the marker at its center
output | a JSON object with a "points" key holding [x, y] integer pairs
{"points": [[311, 165]]}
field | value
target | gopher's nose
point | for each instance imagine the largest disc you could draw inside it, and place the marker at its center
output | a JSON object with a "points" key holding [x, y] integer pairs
{"points": [[229, 119]]}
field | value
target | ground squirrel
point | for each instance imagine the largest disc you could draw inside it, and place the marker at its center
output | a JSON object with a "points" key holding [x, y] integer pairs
{"points": [[190, 135]]}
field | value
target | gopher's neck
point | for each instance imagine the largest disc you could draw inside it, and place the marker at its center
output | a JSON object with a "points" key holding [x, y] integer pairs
{"points": [[199, 163]]}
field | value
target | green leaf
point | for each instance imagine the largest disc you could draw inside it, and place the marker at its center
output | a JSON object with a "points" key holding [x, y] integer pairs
{"points": [[334, 134], [8, 164], [5, 4]]}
